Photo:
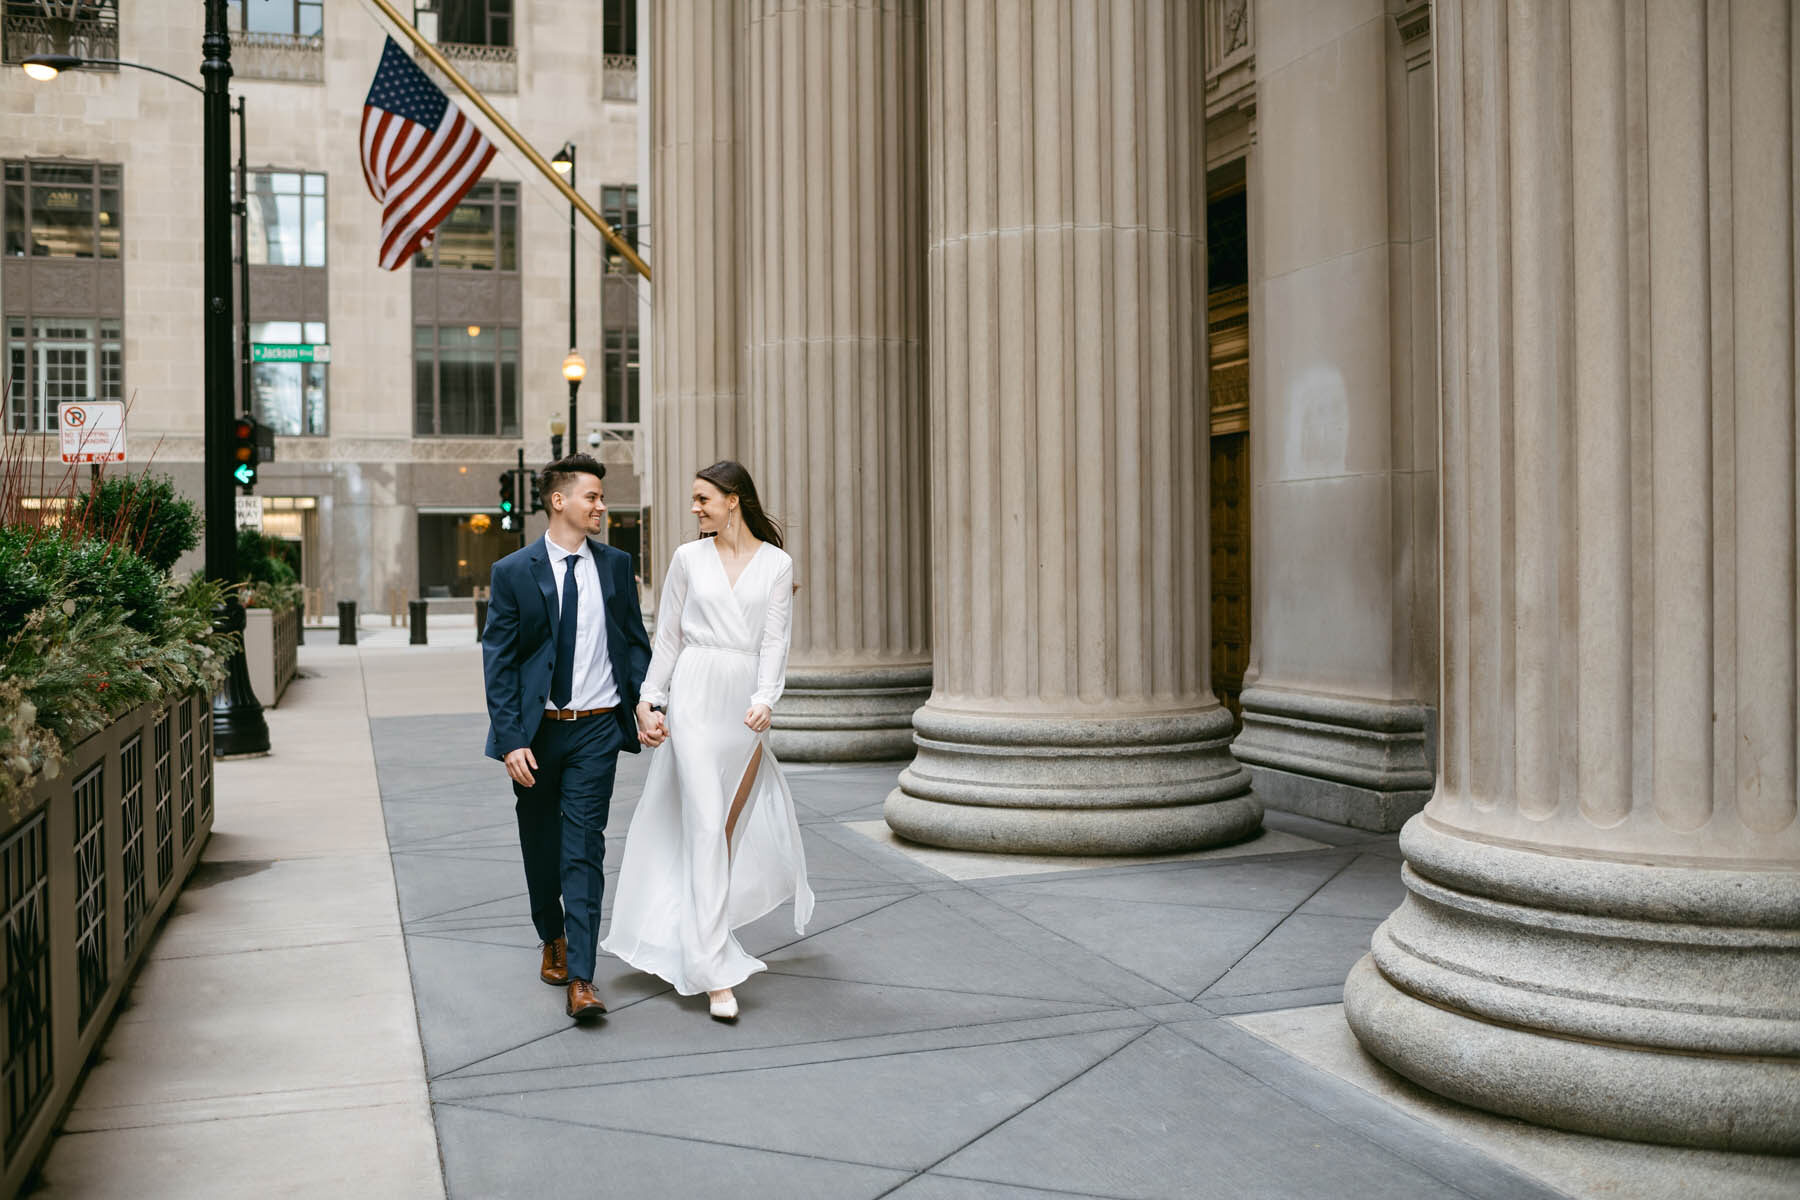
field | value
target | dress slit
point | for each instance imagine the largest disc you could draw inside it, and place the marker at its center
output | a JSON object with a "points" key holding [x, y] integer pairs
{"points": [[740, 802]]}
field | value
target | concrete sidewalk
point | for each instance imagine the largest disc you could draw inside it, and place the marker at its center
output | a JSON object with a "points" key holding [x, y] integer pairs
{"points": [[269, 1046], [951, 1026]]}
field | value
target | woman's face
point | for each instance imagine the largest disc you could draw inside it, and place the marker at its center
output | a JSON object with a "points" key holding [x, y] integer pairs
{"points": [[711, 506]]}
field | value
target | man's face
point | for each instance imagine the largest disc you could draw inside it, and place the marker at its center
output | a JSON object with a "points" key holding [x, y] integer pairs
{"points": [[582, 503]]}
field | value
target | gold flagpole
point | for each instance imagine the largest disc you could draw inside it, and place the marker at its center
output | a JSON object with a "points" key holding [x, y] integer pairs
{"points": [[512, 135]]}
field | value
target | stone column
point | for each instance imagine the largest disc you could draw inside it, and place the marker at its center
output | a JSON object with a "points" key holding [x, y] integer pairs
{"points": [[1070, 710], [834, 391], [1603, 925], [1338, 716], [696, 252]]}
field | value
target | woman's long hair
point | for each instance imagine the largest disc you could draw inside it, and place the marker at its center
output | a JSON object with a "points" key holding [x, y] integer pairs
{"points": [[731, 478]]}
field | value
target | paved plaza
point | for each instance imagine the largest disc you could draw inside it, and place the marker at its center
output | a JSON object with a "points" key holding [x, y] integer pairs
{"points": [[345, 1003]]}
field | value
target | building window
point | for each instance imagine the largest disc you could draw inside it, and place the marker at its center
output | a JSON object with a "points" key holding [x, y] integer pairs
{"points": [[297, 18], [290, 396], [86, 28], [482, 234], [457, 552], [465, 22], [63, 210], [621, 373], [619, 30], [465, 381], [619, 205], [287, 219], [50, 360]]}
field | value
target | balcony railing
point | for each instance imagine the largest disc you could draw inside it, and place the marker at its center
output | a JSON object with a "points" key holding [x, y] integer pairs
{"points": [[489, 68], [290, 57], [92, 33], [620, 77]]}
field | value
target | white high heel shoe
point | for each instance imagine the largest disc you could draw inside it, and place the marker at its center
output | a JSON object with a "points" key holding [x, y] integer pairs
{"points": [[724, 1005]]}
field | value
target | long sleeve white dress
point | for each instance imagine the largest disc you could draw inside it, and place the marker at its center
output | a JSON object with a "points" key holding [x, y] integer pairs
{"points": [[682, 889]]}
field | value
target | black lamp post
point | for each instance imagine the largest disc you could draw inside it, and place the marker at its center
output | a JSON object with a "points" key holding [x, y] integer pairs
{"points": [[574, 367], [238, 723]]}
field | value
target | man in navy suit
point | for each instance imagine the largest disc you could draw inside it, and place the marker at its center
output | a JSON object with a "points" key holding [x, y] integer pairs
{"points": [[564, 653]]}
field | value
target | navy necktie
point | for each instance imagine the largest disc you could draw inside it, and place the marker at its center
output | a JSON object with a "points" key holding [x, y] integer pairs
{"points": [[562, 670]]}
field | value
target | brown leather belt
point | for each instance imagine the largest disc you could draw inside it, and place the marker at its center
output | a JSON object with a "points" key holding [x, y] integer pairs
{"points": [[570, 714]]}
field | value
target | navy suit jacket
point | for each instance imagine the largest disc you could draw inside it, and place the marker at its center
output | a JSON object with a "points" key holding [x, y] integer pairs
{"points": [[519, 643]]}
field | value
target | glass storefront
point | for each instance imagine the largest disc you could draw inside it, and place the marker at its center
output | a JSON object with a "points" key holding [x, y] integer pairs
{"points": [[457, 550]]}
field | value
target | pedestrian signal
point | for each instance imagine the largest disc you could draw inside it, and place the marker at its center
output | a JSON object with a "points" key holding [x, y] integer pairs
{"points": [[509, 499]]}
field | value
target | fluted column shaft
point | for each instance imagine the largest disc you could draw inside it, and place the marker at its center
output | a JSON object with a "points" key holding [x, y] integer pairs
{"points": [[1603, 930], [1343, 411], [1070, 709], [834, 391], [696, 229]]}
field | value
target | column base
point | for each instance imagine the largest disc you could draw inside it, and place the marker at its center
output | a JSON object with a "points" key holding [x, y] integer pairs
{"points": [[1362, 763], [1653, 1003], [1061, 785], [849, 714], [1741, 1104]]}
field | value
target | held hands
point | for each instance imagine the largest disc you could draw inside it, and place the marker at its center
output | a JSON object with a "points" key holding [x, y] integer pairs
{"points": [[652, 729], [758, 717]]}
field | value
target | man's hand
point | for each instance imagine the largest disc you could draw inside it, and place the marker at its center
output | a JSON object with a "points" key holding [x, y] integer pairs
{"points": [[759, 717], [520, 764], [652, 729]]}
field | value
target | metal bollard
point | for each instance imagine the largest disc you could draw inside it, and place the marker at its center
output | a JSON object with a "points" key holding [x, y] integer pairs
{"points": [[480, 618], [415, 621], [346, 622]]}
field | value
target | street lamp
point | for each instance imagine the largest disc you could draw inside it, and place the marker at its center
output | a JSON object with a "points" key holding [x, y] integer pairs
{"points": [[574, 366], [238, 723], [557, 428]]}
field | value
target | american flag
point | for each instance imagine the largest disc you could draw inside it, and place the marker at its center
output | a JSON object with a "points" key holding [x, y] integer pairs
{"points": [[420, 155]]}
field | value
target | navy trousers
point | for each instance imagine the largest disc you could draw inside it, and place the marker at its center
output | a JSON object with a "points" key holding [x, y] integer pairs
{"points": [[562, 831]]}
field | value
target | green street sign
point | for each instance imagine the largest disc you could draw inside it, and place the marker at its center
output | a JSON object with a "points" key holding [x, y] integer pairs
{"points": [[273, 352]]}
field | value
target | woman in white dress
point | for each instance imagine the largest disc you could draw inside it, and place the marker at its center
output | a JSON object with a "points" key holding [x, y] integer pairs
{"points": [[714, 843]]}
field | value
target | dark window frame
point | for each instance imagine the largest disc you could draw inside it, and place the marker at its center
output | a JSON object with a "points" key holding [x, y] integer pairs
{"points": [[619, 375], [307, 372], [237, 18], [20, 204], [618, 28], [323, 196], [469, 22], [619, 205], [503, 355], [24, 345], [502, 197]]}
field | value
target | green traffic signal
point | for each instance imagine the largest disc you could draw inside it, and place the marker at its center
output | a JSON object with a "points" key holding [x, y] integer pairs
{"points": [[244, 473]]}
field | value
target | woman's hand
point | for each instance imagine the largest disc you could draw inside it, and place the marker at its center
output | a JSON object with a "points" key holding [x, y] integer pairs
{"points": [[652, 729], [758, 717]]}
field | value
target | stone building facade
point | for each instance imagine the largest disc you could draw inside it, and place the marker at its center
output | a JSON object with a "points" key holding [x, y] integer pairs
{"points": [[387, 459], [1511, 337]]}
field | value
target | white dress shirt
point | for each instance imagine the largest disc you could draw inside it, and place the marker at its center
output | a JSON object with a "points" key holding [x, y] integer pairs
{"points": [[592, 685]]}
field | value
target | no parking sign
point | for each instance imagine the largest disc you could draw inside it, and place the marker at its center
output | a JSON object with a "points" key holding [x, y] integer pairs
{"points": [[93, 431]]}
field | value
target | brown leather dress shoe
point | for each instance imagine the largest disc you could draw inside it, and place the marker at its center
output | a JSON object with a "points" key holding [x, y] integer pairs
{"points": [[555, 968], [583, 1003]]}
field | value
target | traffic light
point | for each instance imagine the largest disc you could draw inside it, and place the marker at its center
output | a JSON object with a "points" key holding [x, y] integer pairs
{"points": [[246, 454], [509, 500], [537, 499]]}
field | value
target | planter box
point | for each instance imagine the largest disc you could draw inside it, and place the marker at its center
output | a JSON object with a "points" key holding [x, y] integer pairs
{"points": [[271, 651], [85, 879]]}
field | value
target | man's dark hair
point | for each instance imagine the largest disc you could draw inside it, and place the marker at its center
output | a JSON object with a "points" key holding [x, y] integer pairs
{"points": [[559, 474]]}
